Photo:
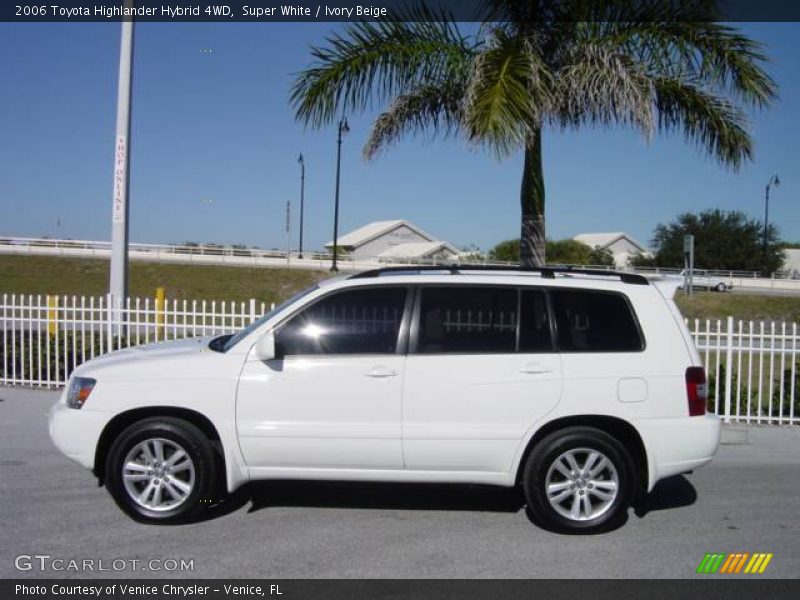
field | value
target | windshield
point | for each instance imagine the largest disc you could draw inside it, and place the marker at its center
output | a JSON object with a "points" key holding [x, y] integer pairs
{"points": [[243, 333]]}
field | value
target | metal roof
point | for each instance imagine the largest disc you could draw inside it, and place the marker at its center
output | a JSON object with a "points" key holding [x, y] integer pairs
{"points": [[370, 231]]}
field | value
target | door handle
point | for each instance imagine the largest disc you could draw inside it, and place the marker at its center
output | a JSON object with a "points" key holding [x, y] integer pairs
{"points": [[535, 368], [381, 372]]}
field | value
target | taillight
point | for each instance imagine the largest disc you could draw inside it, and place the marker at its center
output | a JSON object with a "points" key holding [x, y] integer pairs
{"points": [[696, 391]]}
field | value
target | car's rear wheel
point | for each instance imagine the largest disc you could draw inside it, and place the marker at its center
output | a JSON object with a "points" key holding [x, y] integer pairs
{"points": [[578, 480], [161, 470], [721, 287]]}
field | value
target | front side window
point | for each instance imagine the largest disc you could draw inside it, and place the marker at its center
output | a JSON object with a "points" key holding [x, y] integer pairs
{"points": [[243, 333], [358, 321], [467, 320], [594, 321]]}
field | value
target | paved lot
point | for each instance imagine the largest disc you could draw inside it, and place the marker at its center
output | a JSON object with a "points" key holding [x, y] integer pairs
{"points": [[746, 501]]}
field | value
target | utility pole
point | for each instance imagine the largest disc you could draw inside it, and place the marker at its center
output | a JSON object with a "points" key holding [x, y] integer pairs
{"points": [[302, 194], [343, 129], [118, 284], [776, 182]]}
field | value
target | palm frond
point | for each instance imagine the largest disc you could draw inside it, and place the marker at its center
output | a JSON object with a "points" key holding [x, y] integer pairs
{"points": [[509, 91], [428, 108], [710, 121], [372, 61], [598, 85], [682, 39]]}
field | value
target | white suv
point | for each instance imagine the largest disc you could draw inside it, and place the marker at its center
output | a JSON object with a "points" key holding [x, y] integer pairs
{"points": [[583, 387]]}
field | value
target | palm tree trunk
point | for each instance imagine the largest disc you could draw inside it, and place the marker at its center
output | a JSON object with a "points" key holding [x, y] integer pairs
{"points": [[532, 235]]}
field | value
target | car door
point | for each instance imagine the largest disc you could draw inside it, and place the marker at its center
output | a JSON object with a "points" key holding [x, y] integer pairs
{"points": [[332, 396], [478, 376]]}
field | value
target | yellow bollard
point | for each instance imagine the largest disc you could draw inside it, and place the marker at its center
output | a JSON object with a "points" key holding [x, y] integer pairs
{"points": [[52, 315], [160, 306]]}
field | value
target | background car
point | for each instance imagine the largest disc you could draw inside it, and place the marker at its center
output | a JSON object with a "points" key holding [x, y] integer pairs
{"points": [[703, 280]]}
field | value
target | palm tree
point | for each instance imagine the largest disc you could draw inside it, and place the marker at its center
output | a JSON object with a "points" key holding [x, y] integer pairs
{"points": [[543, 64]]}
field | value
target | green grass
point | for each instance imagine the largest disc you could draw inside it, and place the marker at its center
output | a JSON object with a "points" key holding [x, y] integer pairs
{"points": [[53, 275], [89, 277], [714, 305]]}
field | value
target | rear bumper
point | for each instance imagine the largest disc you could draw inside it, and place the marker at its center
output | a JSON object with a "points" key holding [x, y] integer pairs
{"points": [[678, 445]]}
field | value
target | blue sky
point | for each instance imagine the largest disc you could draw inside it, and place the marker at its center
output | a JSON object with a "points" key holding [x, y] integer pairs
{"points": [[217, 126]]}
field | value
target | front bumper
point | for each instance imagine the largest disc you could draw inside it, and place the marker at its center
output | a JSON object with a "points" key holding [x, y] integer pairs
{"points": [[75, 432]]}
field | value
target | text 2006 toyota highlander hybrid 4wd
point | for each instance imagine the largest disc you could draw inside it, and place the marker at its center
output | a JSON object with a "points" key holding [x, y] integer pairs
{"points": [[583, 387]]}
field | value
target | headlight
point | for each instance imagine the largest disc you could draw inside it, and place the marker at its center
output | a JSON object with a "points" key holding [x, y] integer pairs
{"points": [[79, 391]]}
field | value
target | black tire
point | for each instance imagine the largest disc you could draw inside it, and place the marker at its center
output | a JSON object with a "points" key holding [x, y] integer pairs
{"points": [[198, 450], [541, 463], [721, 287]]}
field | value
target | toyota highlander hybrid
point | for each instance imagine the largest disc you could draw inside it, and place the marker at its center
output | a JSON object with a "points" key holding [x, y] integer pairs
{"points": [[582, 387]]}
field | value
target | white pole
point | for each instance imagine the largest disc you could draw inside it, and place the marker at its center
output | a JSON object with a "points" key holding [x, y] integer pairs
{"points": [[288, 232], [118, 287]]}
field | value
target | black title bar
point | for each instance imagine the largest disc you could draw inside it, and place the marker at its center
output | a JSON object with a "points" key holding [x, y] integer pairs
{"points": [[338, 10], [709, 588]]}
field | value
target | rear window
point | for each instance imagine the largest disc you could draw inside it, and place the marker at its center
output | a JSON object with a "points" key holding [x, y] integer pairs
{"points": [[595, 321]]}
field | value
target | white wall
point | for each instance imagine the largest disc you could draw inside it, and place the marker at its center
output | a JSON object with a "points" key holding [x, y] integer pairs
{"points": [[622, 250], [791, 263]]}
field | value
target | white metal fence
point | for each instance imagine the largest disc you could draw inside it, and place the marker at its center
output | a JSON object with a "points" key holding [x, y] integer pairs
{"points": [[752, 369], [752, 366], [45, 337]]}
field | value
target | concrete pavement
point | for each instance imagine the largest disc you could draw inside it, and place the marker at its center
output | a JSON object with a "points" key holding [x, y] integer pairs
{"points": [[745, 501]]}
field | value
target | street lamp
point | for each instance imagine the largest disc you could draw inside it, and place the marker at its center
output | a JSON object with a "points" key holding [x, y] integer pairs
{"points": [[302, 193], [343, 129], [776, 182]]}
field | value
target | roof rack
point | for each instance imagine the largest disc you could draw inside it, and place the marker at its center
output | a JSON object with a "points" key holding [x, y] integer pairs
{"points": [[548, 272]]}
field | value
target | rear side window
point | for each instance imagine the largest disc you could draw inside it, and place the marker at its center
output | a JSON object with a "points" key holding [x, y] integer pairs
{"points": [[593, 321], [466, 320], [360, 321]]}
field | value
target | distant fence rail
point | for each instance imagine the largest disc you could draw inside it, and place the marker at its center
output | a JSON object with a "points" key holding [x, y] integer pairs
{"points": [[752, 366]]}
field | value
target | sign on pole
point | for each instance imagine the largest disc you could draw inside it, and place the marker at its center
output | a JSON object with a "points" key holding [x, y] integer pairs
{"points": [[688, 264]]}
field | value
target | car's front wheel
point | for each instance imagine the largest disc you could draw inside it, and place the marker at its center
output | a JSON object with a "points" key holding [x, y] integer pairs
{"points": [[161, 470], [578, 480], [721, 287]]}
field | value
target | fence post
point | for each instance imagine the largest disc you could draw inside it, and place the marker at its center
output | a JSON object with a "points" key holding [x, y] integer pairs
{"points": [[252, 309], [160, 306], [728, 370], [52, 315], [109, 315]]}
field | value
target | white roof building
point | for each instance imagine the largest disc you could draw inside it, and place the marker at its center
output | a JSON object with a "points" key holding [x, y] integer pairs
{"points": [[620, 244], [393, 240]]}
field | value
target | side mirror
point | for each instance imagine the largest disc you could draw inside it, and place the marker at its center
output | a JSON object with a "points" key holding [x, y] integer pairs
{"points": [[265, 347]]}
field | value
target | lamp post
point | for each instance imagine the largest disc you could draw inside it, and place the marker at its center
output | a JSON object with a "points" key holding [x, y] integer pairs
{"points": [[343, 129], [776, 182], [302, 194]]}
